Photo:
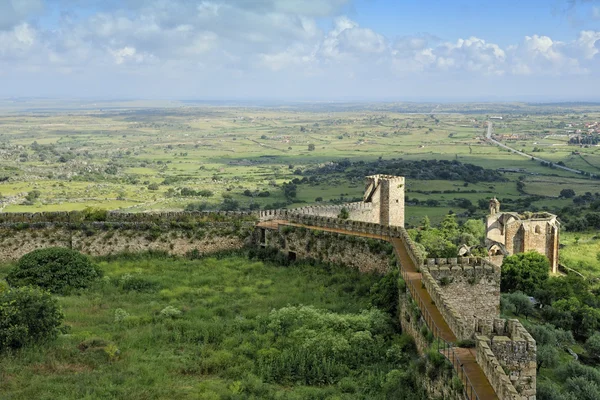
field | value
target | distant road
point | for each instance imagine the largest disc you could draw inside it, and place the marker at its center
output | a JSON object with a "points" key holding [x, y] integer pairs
{"points": [[497, 143]]}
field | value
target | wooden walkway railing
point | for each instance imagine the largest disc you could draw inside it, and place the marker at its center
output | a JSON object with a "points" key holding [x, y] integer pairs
{"points": [[475, 384]]}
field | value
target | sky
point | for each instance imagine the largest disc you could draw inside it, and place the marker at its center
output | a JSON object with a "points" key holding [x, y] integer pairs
{"points": [[301, 50]]}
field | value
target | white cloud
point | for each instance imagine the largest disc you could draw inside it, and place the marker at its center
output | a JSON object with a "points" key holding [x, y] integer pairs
{"points": [[215, 42], [18, 41]]}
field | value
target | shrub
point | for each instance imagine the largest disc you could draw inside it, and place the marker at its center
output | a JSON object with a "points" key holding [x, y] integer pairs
{"points": [[121, 315], [170, 312], [384, 293], [94, 214], [56, 269], [27, 315]]}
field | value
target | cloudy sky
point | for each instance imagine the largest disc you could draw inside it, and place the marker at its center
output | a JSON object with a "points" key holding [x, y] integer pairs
{"points": [[301, 49]]}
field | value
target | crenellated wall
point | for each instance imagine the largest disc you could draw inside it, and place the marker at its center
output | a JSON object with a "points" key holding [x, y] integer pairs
{"points": [[507, 354], [469, 288], [383, 203]]}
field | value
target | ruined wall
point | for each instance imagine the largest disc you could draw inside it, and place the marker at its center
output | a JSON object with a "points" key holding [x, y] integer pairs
{"points": [[366, 255], [523, 233], [470, 286], [507, 354], [175, 233]]}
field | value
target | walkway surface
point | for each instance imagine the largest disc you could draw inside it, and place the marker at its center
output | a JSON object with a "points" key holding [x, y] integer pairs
{"points": [[477, 385]]}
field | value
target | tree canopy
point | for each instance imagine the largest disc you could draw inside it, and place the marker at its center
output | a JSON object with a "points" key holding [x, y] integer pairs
{"points": [[524, 272]]}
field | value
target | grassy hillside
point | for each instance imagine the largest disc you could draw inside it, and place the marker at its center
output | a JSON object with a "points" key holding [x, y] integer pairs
{"points": [[229, 328]]}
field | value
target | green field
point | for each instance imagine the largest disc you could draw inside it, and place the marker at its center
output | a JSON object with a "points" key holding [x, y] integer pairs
{"points": [[108, 159]]}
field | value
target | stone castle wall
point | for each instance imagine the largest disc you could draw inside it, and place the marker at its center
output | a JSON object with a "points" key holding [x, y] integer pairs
{"points": [[174, 233], [365, 255], [383, 203], [470, 287], [358, 211], [507, 354]]}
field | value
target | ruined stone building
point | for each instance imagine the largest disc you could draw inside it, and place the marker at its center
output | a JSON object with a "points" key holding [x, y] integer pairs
{"points": [[511, 233], [383, 203]]}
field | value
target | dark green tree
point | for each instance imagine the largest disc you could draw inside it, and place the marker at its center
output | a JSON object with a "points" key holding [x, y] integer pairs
{"points": [[56, 269], [27, 315], [524, 272]]}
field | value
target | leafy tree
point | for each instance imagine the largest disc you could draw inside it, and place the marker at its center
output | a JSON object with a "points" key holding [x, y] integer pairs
{"points": [[547, 356], [153, 186], [384, 293], [205, 193], [56, 269], [450, 226], [519, 303], [196, 206], [344, 213], [524, 272], [27, 315], [311, 147], [229, 204], [436, 244], [567, 193], [94, 214], [555, 288], [475, 227], [592, 345]]}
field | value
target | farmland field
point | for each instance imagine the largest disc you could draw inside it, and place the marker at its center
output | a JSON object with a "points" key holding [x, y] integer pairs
{"points": [[138, 159]]}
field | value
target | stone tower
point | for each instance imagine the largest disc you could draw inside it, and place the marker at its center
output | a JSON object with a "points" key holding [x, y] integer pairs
{"points": [[386, 193]]}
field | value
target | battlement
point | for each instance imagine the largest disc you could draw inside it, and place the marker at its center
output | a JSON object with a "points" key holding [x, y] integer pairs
{"points": [[460, 261], [507, 354]]}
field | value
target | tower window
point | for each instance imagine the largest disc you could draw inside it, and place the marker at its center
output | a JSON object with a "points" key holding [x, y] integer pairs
{"points": [[538, 230]]}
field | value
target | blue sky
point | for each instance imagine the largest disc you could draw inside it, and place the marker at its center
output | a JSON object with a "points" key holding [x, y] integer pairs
{"points": [[301, 49]]}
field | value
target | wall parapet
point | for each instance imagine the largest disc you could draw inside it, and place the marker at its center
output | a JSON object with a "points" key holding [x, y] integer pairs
{"points": [[492, 369], [460, 261], [115, 216], [449, 313], [508, 357]]}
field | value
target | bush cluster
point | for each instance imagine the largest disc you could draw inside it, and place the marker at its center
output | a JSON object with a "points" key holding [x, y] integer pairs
{"points": [[27, 316], [56, 269]]}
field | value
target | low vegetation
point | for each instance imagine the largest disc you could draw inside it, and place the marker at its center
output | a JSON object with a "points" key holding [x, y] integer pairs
{"points": [[225, 327], [56, 269]]}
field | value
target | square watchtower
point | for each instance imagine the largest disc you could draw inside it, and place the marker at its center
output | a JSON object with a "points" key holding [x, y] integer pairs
{"points": [[386, 193]]}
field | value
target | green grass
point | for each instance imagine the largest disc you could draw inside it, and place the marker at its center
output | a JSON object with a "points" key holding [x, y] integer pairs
{"points": [[211, 351], [580, 252]]}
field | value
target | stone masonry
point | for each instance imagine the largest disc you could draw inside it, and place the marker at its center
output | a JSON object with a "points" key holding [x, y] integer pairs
{"points": [[511, 233], [507, 354], [383, 203]]}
